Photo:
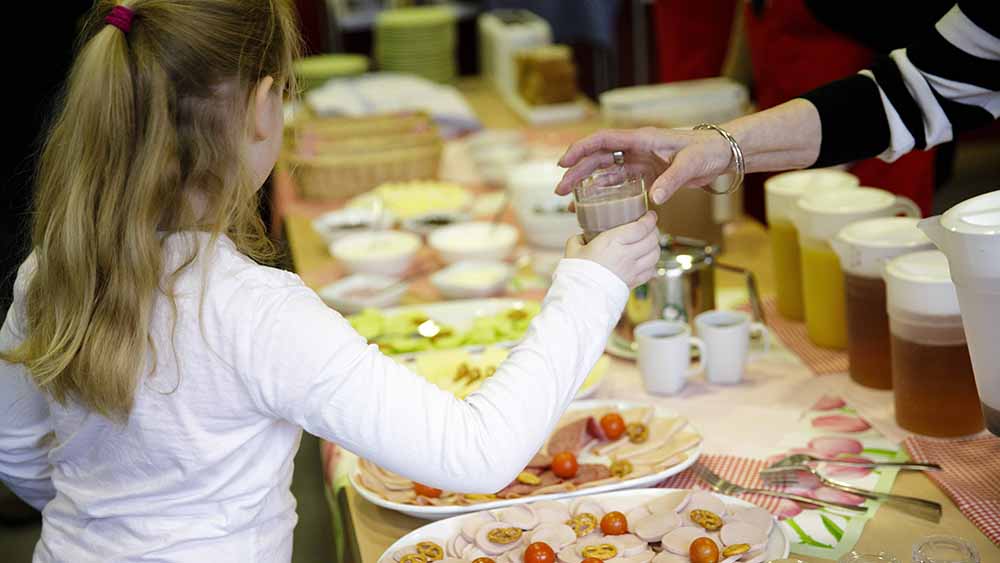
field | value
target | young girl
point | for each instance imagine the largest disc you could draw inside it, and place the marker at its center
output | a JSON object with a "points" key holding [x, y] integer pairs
{"points": [[156, 380]]}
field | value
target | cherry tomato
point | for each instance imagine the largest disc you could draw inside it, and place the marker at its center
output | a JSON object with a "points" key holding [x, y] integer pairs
{"points": [[704, 550], [613, 425], [539, 552], [614, 524], [587, 560], [564, 465], [425, 491]]}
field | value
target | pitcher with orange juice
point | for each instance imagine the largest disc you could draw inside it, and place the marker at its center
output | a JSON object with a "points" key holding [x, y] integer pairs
{"points": [[819, 217]]}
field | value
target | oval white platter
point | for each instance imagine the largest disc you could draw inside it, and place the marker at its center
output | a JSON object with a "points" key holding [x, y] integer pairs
{"points": [[439, 512], [777, 544]]}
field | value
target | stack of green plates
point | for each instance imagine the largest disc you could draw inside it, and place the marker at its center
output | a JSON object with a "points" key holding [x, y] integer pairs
{"points": [[315, 71], [419, 40]]}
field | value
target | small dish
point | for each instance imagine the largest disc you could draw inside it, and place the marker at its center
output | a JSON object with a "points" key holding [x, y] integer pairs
{"points": [[472, 279], [355, 293], [338, 224], [476, 240], [424, 224], [388, 253]]}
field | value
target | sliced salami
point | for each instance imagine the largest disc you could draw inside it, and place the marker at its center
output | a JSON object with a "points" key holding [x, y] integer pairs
{"points": [[655, 526], [679, 540], [570, 438], [742, 532], [588, 472]]}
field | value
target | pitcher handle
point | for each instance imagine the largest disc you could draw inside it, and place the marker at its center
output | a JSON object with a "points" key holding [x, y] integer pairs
{"points": [[907, 207], [756, 308], [761, 331]]}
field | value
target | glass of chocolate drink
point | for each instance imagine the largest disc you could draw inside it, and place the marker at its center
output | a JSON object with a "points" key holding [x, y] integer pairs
{"points": [[608, 198]]}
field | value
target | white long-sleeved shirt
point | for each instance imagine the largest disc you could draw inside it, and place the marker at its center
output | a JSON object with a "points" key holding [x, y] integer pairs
{"points": [[201, 471]]}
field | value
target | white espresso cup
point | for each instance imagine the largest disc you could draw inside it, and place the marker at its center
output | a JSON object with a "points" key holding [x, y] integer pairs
{"points": [[665, 355], [727, 338]]}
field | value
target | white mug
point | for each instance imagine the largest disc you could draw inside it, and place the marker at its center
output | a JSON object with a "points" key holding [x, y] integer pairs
{"points": [[665, 355], [727, 337]]}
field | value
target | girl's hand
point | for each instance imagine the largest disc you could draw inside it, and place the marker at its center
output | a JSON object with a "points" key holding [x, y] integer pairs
{"points": [[631, 251], [667, 159]]}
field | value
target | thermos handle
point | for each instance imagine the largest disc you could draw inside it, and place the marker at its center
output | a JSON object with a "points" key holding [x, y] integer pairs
{"points": [[756, 308]]}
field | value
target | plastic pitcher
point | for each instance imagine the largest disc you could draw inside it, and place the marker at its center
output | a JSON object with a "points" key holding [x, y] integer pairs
{"points": [[969, 235], [864, 248], [781, 193], [818, 218]]}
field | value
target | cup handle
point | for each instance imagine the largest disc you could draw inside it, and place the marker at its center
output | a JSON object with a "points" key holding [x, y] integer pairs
{"points": [[700, 345], [907, 207], [765, 335]]}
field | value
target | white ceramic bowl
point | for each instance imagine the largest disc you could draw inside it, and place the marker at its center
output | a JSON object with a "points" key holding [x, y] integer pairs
{"points": [[388, 253], [338, 224], [545, 219], [477, 240], [472, 279], [348, 295], [428, 222]]}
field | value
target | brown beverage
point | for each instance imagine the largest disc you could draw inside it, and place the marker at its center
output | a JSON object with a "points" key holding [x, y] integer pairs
{"points": [[935, 389], [868, 332], [608, 211]]}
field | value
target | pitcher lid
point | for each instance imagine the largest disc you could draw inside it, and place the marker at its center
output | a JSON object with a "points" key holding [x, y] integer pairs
{"points": [[979, 215], [885, 232], [920, 282], [840, 202]]}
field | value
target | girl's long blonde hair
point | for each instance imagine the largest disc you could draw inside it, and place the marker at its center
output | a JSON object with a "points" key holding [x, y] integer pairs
{"points": [[148, 118]]}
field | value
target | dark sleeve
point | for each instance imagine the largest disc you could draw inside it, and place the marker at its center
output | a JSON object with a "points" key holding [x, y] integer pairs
{"points": [[854, 125]]}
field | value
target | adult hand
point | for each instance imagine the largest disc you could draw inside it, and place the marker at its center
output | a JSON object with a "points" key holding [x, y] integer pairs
{"points": [[630, 251], [667, 159]]}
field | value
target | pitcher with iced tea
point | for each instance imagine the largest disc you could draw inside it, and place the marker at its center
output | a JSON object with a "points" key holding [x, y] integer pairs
{"points": [[819, 217]]}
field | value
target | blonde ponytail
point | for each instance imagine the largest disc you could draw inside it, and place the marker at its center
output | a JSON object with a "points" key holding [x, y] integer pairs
{"points": [[147, 118]]}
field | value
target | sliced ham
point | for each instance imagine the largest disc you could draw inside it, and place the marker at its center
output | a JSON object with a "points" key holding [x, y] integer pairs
{"points": [[667, 557], [756, 516], [674, 501], [661, 432], [595, 430], [742, 532], [551, 511], [557, 535], [520, 516], [704, 500], [472, 523], [471, 553], [569, 555], [540, 461], [564, 487], [657, 525], [373, 484], [569, 438], [588, 472], [662, 451], [679, 540]]}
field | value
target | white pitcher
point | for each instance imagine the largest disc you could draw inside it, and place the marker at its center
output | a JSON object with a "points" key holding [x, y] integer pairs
{"points": [[969, 235]]}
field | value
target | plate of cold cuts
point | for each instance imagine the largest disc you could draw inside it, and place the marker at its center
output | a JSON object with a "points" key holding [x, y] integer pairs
{"points": [[614, 445], [637, 526]]}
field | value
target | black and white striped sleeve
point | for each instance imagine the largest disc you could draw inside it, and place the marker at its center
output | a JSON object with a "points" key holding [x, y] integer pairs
{"points": [[946, 82]]}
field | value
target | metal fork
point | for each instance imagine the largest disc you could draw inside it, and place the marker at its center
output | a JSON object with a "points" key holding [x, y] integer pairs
{"points": [[790, 475], [725, 487], [802, 459]]}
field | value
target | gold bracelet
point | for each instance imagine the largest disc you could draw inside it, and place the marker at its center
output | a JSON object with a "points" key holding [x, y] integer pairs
{"points": [[741, 166]]}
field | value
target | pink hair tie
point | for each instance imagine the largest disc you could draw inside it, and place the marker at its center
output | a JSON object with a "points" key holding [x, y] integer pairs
{"points": [[120, 17]]}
